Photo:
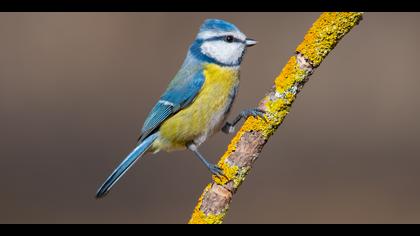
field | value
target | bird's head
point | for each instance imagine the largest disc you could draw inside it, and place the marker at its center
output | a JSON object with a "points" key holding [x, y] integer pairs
{"points": [[220, 42]]}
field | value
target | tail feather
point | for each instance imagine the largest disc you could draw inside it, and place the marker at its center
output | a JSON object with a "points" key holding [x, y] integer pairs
{"points": [[125, 165]]}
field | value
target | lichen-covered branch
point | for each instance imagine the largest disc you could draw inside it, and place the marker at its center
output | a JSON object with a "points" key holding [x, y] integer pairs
{"points": [[247, 144]]}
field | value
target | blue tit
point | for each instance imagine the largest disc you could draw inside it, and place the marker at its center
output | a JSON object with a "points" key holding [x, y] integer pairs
{"points": [[197, 101]]}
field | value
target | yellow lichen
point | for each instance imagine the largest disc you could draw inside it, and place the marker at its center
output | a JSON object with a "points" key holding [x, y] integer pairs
{"points": [[254, 124], [279, 109], [289, 76], [325, 34], [240, 177], [201, 218], [229, 172], [198, 216], [232, 145]]}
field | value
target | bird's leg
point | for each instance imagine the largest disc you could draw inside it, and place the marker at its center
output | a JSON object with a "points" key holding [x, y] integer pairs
{"points": [[229, 128], [213, 168]]}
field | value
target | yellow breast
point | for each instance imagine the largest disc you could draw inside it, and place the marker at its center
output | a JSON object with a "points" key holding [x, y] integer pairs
{"points": [[205, 114]]}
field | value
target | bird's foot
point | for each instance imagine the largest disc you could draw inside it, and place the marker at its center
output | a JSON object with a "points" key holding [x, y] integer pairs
{"points": [[229, 128], [214, 169], [255, 112]]}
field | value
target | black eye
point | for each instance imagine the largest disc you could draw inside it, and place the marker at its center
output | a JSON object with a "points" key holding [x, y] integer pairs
{"points": [[229, 38]]}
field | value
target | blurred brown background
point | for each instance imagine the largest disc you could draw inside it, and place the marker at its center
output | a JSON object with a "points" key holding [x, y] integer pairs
{"points": [[76, 87]]}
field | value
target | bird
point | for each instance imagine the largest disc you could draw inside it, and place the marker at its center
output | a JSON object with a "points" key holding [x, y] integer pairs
{"points": [[197, 101]]}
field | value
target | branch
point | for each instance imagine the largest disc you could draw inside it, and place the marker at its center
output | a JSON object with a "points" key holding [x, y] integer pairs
{"points": [[248, 143]]}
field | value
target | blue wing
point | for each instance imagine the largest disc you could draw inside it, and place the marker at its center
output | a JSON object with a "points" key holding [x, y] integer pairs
{"points": [[181, 92]]}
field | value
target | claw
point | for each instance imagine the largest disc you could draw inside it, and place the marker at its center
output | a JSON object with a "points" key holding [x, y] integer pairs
{"points": [[255, 112], [228, 128], [216, 171]]}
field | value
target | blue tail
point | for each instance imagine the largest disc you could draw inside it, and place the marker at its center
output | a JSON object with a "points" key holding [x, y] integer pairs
{"points": [[125, 165]]}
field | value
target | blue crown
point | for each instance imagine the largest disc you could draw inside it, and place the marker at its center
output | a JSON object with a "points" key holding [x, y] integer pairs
{"points": [[217, 25]]}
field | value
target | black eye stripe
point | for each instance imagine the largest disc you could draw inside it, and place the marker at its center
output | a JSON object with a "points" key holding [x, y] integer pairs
{"points": [[217, 38]]}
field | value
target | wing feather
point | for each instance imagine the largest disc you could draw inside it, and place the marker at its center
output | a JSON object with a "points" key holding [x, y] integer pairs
{"points": [[181, 92]]}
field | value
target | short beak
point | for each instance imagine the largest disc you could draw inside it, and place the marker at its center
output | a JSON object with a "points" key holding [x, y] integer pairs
{"points": [[250, 42]]}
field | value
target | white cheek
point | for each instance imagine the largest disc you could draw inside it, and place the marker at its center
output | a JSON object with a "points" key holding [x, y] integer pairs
{"points": [[226, 53]]}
